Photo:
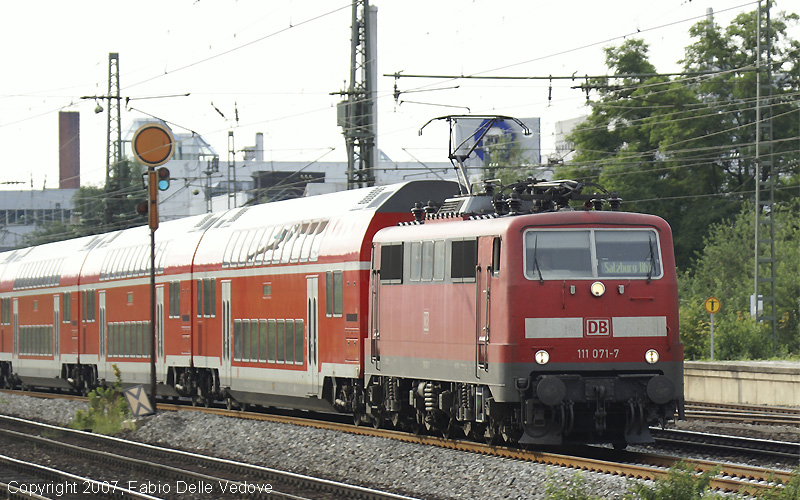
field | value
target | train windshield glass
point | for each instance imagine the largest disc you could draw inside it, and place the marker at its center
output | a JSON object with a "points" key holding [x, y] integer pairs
{"points": [[596, 253]]}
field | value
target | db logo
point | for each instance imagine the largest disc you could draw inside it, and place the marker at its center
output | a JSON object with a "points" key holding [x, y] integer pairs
{"points": [[597, 326]]}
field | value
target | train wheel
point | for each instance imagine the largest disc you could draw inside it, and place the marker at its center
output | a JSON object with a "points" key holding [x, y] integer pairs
{"points": [[510, 434], [448, 430], [490, 435], [229, 403], [377, 421], [357, 418]]}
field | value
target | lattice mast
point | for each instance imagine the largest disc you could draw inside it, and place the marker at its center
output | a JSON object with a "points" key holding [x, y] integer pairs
{"points": [[357, 114], [763, 300], [113, 136]]}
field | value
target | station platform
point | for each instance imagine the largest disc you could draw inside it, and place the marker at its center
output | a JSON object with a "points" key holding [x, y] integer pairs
{"points": [[774, 383]]}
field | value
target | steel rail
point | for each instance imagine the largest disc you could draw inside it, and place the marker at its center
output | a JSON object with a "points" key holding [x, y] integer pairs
{"points": [[253, 472]]}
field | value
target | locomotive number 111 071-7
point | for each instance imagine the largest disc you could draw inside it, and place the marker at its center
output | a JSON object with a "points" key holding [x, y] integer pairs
{"points": [[598, 353]]}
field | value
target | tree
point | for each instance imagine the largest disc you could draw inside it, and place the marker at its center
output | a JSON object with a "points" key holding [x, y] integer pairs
{"points": [[724, 269], [98, 210], [682, 147]]}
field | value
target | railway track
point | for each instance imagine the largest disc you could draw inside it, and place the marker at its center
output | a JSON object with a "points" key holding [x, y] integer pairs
{"points": [[776, 450], [20, 479], [637, 465], [743, 413], [136, 470], [732, 477]]}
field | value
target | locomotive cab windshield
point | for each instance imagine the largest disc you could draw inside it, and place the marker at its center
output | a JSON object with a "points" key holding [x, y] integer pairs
{"points": [[592, 253]]}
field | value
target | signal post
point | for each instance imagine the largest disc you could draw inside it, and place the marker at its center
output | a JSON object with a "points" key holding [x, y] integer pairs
{"points": [[153, 145]]}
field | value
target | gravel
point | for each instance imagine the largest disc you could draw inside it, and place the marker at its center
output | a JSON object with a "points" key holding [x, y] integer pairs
{"points": [[406, 468]]}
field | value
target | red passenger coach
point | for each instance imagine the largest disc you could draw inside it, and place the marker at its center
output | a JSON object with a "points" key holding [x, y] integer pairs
{"points": [[256, 305]]}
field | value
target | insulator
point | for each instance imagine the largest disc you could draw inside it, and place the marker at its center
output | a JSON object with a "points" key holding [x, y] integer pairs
{"points": [[514, 203], [615, 201], [418, 211]]}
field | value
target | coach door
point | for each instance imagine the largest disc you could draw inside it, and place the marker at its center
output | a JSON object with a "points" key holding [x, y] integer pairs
{"points": [[15, 327], [312, 318], [226, 334], [488, 267], [57, 327], [160, 364], [101, 332]]}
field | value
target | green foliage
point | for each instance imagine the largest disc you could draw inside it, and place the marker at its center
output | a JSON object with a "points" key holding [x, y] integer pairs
{"points": [[789, 491], [681, 483], [724, 269], [683, 147], [576, 489], [99, 209], [108, 409]]}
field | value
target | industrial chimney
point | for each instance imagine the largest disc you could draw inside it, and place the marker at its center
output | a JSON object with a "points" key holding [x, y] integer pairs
{"points": [[69, 150]]}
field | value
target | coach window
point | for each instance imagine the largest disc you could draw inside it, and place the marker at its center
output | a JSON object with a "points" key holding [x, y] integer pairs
{"points": [[392, 263], [254, 340], [264, 250], [271, 340], [262, 340], [427, 260], [237, 340], [311, 232], [66, 307], [88, 305], [438, 260], [289, 348], [415, 261], [226, 259], [290, 243], [496, 257], [298, 342], [206, 297], [463, 259], [333, 293], [5, 311], [281, 340], [297, 247], [252, 252], [315, 245], [278, 241], [174, 299]]}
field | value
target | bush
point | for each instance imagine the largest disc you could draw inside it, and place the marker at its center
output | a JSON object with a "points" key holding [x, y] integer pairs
{"points": [[681, 483], [108, 409], [789, 491], [575, 489]]}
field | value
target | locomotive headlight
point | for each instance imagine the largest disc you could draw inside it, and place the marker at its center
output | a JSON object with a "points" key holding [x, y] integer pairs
{"points": [[542, 357], [651, 356], [598, 289]]}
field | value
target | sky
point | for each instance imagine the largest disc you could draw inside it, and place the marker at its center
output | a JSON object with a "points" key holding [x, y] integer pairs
{"points": [[275, 64]]}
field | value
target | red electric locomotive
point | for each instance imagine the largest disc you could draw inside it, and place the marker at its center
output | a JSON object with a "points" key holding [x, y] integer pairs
{"points": [[538, 325]]}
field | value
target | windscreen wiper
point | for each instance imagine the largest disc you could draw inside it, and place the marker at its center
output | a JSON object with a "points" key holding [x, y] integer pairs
{"points": [[652, 258], [535, 262]]}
